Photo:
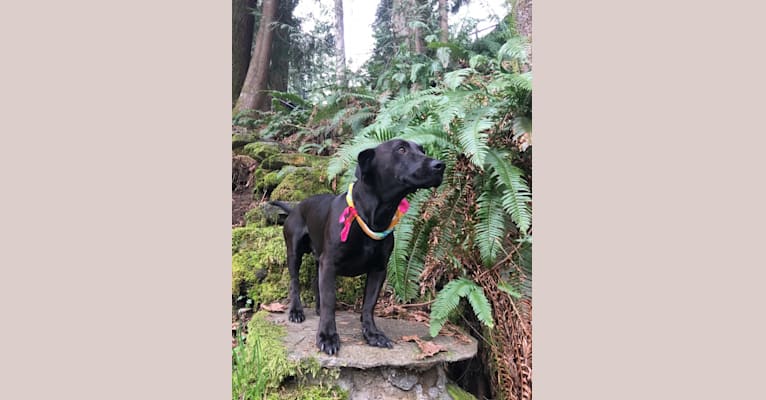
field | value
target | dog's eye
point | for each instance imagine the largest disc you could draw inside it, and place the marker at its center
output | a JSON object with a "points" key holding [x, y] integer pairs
{"points": [[402, 149]]}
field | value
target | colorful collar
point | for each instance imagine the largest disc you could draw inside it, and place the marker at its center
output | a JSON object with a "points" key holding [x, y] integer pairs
{"points": [[349, 215]]}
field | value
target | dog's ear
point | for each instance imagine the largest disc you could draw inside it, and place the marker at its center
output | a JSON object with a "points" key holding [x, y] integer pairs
{"points": [[364, 161]]}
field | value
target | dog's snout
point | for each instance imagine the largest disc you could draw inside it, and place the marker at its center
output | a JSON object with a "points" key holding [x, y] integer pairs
{"points": [[437, 165]]}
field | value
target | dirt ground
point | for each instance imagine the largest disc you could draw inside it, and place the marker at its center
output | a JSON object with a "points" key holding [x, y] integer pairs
{"points": [[242, 168]]}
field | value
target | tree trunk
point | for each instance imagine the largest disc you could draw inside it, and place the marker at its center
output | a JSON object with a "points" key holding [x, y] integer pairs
{"points": [[340, 44], [524, 27], [279, 73], [241, 43], [443, 22], [253, 96], [417, 34], [399, 12]]}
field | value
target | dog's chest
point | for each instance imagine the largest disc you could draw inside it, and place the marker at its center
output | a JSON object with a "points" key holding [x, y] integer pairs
{"points": [[363, 258]]}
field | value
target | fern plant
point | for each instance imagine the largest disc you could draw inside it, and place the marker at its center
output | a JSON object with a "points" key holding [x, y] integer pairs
{"points": [[483, 207], [448, 299]]}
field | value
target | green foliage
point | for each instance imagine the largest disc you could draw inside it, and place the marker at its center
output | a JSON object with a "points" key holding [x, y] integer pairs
{"points": [[490, 225], [464, 116], [449, 297], [457, 393], [407, 258], [469, 118], [300, 184], [516, 195], [260, 365]]}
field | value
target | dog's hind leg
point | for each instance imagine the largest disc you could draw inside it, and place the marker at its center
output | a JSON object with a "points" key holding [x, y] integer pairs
{"points": [[297, 246]]}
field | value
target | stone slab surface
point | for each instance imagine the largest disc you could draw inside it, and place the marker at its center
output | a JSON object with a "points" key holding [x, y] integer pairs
{"points": [[356, 353]]}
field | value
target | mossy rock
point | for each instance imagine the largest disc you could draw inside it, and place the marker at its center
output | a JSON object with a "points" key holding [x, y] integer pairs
{"points": [[239, 140], [266, 214], [278, 161], [261, 151], [259, 266], [349, 289], [302, 183], [264, 181]]}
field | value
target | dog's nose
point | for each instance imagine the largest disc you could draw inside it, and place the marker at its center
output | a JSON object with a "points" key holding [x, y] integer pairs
{"points": [[437, 165]]}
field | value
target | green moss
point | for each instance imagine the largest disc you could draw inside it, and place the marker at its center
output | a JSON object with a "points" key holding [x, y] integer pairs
{"points": [[260, 151], [261, 366], [457, 393], [278, 161], [258, 251], [310, 393], [349, 289], [255, 217], [259, 266], [253, 238], [266, 181], [239, 140], [301, 183]]}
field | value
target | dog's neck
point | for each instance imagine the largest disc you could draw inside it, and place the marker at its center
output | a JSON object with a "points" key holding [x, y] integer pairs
{"points": [[375, 210]]}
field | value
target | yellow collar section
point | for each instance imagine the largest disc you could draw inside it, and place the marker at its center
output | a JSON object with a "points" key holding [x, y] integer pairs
{"points": [[372, 234]]}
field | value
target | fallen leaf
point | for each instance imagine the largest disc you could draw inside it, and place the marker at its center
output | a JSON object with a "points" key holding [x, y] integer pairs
{"points": [[274, 307], [412, 338], [427, 349], [420, 316]]}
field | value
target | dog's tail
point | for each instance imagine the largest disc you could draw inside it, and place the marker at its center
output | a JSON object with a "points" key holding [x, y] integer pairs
{"points": [[282, 205]]}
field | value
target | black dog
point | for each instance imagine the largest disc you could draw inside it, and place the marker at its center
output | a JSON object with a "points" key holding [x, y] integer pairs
{"points": [[327, 226]]}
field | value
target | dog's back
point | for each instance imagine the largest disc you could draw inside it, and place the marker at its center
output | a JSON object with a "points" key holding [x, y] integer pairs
{"points": [[309, 217]]}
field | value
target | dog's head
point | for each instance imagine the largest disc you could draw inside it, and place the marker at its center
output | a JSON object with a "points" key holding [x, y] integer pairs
{"points": [[399, 166]]}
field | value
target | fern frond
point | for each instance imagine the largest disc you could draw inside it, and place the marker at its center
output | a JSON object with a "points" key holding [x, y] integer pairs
{"points": [[446, 301], [402, 278], [415, 70], [345, 158], [473, 135], [417, 258], [426, 134], [521, 125], [516, 197], [514, 49], [357, 119], [443, 55], [456, 78], [521, 81], [453, 105], [490, 225], [481, 306]]}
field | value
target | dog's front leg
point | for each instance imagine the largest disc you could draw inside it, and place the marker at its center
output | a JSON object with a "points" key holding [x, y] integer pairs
{"points": [[374, 337], [327, 336]]}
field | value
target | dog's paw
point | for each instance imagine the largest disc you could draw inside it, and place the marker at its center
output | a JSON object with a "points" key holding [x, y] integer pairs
{"points": [[297, 316], [378, 339], [330, 344]]}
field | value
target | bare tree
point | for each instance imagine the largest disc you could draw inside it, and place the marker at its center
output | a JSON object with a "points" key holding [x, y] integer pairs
{"points": [[253, 96], [340, 44], [402, 14], [523, 14], [417, 34], [443, 21]]}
